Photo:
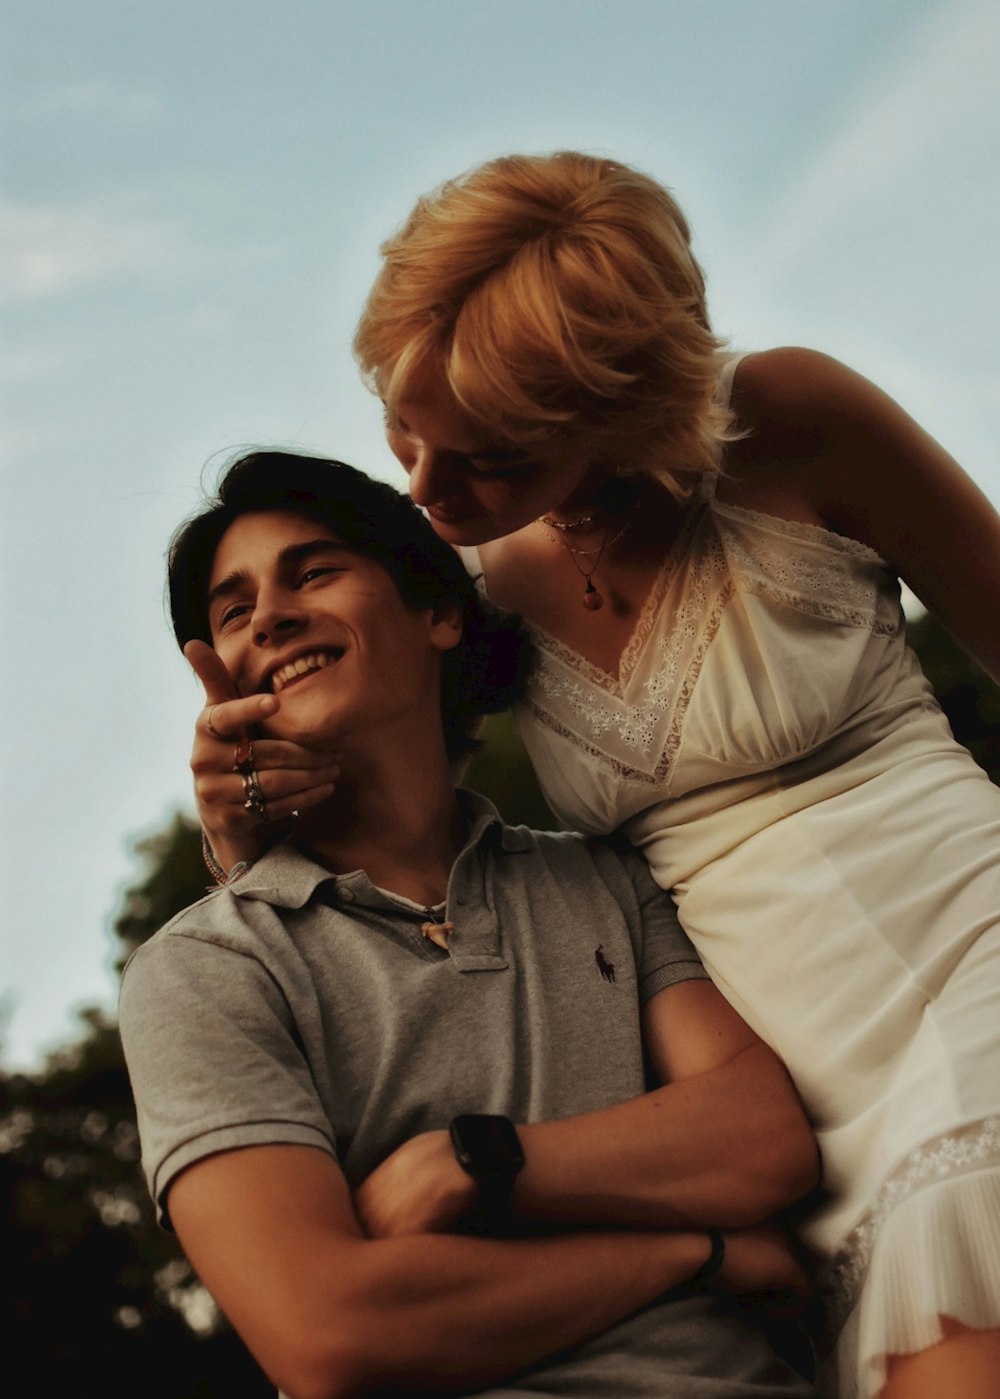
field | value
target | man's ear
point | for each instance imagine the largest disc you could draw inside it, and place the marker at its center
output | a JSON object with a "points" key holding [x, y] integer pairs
{"points": [[446, 625]]}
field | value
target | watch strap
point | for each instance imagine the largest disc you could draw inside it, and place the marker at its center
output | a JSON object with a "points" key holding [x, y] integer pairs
{"points": [[488, 1148]]}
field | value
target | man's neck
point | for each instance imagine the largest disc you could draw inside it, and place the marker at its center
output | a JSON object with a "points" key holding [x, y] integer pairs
{"points": [[395, 818]]}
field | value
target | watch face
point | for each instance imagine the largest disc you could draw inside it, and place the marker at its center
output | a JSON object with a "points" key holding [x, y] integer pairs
{"points": [[484, 1142]]}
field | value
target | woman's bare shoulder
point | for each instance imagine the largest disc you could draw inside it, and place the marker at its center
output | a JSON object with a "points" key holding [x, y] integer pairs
{"points": [[778, 399], [794, 387], [799, 411]]}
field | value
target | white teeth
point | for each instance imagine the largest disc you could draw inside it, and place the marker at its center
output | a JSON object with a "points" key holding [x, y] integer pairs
{"points": [[315, 661]]}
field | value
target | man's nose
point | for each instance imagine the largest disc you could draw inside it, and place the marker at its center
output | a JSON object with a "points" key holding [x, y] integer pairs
{"points": [[274, 619]]}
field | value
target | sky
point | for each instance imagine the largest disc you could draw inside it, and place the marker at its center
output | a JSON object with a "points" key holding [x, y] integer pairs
{"points": [[191, 202]]}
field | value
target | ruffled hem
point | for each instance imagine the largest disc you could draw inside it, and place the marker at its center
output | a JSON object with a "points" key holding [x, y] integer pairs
{"points": [[937, 1254]]}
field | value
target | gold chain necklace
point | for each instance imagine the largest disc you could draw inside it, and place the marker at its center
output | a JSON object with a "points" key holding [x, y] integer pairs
{"points": [[566, 524], [593, 600]]}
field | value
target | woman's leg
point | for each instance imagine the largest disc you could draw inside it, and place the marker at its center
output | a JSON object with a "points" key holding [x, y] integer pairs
{"points": [[964, 1365]]}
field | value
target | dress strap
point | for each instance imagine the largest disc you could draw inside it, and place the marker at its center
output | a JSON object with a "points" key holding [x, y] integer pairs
{"points": [[469, 555], [724, 383]]}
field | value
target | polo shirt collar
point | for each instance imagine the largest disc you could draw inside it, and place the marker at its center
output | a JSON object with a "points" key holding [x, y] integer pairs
{"points": [[286, 878]]}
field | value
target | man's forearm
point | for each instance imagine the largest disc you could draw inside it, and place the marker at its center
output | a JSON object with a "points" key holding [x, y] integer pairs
{"points": [[451, 1313], [458, 1313], [329, 1312]]}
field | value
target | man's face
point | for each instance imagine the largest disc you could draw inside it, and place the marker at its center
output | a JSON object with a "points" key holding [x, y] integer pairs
{"points": [[296, 613]]}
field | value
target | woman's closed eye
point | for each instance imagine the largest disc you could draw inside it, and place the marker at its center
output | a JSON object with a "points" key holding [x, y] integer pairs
{"points": [[486, 465], [498, 468]]}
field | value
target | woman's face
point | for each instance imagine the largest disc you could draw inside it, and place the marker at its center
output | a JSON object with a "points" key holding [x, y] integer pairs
{"points": [[474, 490]]}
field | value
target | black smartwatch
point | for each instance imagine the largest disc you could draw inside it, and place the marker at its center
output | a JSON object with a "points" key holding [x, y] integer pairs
{"points": [[488, 1148]]}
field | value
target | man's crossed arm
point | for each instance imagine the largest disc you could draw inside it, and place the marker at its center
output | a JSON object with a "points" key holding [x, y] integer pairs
{"points": [[329, 1310]]}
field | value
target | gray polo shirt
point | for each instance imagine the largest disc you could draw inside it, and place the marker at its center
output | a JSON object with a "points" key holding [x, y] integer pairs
{"points": [[296, 1006]]}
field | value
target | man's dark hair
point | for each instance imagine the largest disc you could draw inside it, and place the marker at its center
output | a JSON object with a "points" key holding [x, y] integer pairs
{"points": [[482, 675]]}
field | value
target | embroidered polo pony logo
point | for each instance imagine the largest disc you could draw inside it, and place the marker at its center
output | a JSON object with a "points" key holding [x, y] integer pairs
{"points": [[606, 968]]}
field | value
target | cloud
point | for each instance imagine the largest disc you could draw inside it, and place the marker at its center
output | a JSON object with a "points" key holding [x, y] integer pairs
{"points": [[49, 250]]}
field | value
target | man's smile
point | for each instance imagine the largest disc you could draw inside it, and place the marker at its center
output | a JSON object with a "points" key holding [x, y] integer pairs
{"points": [[305, 664]]}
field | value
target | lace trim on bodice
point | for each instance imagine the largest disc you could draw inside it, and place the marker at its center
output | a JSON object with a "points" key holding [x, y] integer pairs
{"points": [[632, 724], [969, 1148], [651, 610], [805, 579], [648, 614], [599, 703], [799, 529]]}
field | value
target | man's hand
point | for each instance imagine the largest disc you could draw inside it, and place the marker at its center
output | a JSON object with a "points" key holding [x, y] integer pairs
{"points": [[762, 1263], [419, 1189]]}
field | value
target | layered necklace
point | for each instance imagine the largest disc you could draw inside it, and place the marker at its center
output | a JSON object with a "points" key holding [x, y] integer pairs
{"points": [[593, 598]]}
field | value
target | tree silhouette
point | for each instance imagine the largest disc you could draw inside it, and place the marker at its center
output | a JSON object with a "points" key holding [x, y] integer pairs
{"points": [[99, 1296], [970, 700]]}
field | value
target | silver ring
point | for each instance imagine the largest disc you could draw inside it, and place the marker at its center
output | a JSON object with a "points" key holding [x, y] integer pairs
{"points": [[254, 797], [208, 722]]}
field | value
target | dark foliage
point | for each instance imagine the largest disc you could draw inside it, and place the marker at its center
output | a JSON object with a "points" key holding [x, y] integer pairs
{"points": [[101, 1300], [970, 701]]}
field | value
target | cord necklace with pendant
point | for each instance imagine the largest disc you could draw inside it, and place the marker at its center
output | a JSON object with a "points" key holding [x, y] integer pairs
{"points": [[593, 599]]}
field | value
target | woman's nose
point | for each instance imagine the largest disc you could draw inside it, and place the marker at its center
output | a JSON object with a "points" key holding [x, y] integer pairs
{"points": [[430, 475]]}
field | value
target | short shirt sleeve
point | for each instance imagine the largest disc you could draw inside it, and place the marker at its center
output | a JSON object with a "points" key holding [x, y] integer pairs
{"points": [[212, 1054], [664, 955]]}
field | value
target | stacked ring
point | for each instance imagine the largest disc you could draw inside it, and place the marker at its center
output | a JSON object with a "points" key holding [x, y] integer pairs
{"points": [[254, 797], [243, 757]]}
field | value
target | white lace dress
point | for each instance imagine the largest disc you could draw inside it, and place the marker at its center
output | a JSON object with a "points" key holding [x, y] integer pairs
{"points": [[774, 749]]}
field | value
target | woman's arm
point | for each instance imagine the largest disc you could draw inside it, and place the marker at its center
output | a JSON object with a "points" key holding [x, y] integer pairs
{"points": [[827, 444], [725, 1142]]}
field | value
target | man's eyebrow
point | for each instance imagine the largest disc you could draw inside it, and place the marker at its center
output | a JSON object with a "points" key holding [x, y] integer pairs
{"points": [[226, 587], [288, 559]]}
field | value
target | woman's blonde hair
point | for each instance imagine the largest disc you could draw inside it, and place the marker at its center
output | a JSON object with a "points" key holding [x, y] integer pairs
{"points": [[559, 297]]}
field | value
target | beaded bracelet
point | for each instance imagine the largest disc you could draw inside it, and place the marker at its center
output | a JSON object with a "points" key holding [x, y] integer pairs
{"points": [[215, 869]]}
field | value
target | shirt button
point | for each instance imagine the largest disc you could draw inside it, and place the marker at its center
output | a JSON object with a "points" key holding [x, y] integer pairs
{"points": [[346, 896]]}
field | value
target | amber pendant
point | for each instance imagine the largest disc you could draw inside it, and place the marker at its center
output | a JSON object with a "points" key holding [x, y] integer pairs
{"points": [[592, 599]]}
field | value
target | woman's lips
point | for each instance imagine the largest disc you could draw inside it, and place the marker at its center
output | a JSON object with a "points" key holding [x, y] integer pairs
{"points": [[444, 516]]}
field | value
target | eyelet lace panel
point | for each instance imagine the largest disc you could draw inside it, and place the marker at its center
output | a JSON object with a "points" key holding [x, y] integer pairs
{"points": [[967, 1149], [800, 529], [648, 616], [680, 550], [632, 725], [811, 580], [636, 738]]}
